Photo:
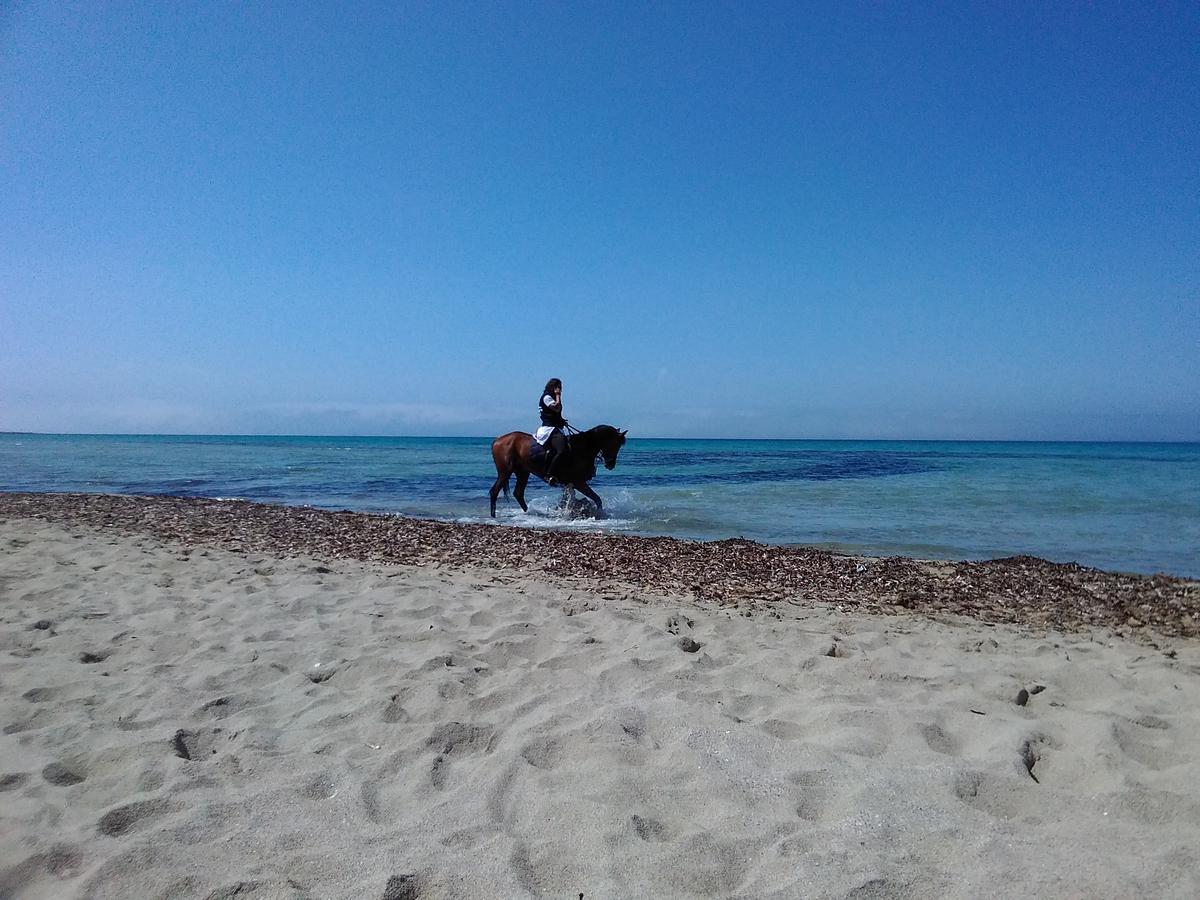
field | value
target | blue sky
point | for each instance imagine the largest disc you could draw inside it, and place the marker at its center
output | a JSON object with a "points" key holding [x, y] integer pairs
{"points": [[886, 220]]}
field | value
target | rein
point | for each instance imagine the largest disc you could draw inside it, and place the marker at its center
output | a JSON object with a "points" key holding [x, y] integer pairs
{"points": [[575, 432]]}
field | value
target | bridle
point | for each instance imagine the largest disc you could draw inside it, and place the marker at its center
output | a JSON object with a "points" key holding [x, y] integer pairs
{"points": [[601, 456]]}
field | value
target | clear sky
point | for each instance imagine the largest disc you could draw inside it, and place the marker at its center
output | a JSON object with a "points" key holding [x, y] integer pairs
{"points": [[958, 220]]}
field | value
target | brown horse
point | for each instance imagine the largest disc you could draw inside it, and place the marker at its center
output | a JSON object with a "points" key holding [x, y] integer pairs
{"points": [[513, 453]]}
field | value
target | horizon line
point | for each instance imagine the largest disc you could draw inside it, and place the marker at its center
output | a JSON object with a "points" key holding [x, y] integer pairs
{"points": [[893, 440]]}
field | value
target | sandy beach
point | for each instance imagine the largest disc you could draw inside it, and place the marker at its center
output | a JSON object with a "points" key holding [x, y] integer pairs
{"points": [[224, 700]]}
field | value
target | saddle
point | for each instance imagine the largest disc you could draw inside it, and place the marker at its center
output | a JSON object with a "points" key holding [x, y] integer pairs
{"points": [[541, 454]]}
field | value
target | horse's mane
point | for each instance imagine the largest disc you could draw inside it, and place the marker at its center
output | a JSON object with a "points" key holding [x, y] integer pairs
{"points": [[598, 431]]}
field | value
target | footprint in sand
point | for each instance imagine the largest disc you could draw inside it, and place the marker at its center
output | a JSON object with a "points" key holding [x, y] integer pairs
{"points": [[394, 713], [482, 619], [1003, 797], [649, 829], [456, 739], [320, 676], [938, 740], [62, 774], [967, 785], [880, 889], [403, 887], [836, 650], [222, 707], [814, 794], [198, 745], [320, 787], [689, 645], [812, 803], [781, 729], [543, 753], [13, 780], [251, 890], [59, 861], [1142, 740], [129, 818]]}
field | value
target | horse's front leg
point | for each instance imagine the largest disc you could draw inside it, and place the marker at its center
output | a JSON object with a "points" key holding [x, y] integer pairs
{"points": [[584, 488]]}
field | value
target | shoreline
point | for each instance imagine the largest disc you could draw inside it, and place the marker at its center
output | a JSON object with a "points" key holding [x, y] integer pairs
{"points": [[1020, 590]]}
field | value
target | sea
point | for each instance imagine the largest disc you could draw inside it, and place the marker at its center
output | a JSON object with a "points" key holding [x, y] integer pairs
{"points": [[1128, 507]]}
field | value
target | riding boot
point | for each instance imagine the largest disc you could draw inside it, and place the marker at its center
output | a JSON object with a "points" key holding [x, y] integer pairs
{"points": [[553, 469], [558, 448]]}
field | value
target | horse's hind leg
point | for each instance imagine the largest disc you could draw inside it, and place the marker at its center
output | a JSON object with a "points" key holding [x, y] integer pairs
{"points": [[501, 480], [519, 490]]}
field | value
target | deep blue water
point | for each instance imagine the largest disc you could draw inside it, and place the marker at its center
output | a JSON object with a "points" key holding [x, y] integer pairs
{"points": [[1132, 507]]}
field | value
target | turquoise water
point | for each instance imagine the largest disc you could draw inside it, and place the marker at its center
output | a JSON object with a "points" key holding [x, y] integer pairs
{"points": [[1132, 507]]}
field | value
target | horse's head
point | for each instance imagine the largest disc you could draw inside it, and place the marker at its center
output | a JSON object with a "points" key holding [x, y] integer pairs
{"points": [[611, 440]]}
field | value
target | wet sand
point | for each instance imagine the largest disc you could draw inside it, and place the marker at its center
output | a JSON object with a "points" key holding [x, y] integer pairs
{"points": [[208, 700]]}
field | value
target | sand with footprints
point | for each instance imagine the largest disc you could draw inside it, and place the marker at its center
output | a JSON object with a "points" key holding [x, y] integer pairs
{"points": [[181, 719]]}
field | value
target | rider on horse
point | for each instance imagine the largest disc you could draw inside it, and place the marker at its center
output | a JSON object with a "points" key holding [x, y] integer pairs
{"points": [[549, 435], [574, 463]]}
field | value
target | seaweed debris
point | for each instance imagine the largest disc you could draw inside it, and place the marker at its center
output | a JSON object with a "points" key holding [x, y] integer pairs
{"points": [[1020, 590]]}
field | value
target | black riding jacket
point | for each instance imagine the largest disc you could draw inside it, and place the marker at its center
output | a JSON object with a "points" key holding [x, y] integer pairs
{"points": [[550, 416]]}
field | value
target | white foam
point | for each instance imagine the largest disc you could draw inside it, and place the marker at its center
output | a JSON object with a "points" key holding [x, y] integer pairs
{"points": [[545, 513]]}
